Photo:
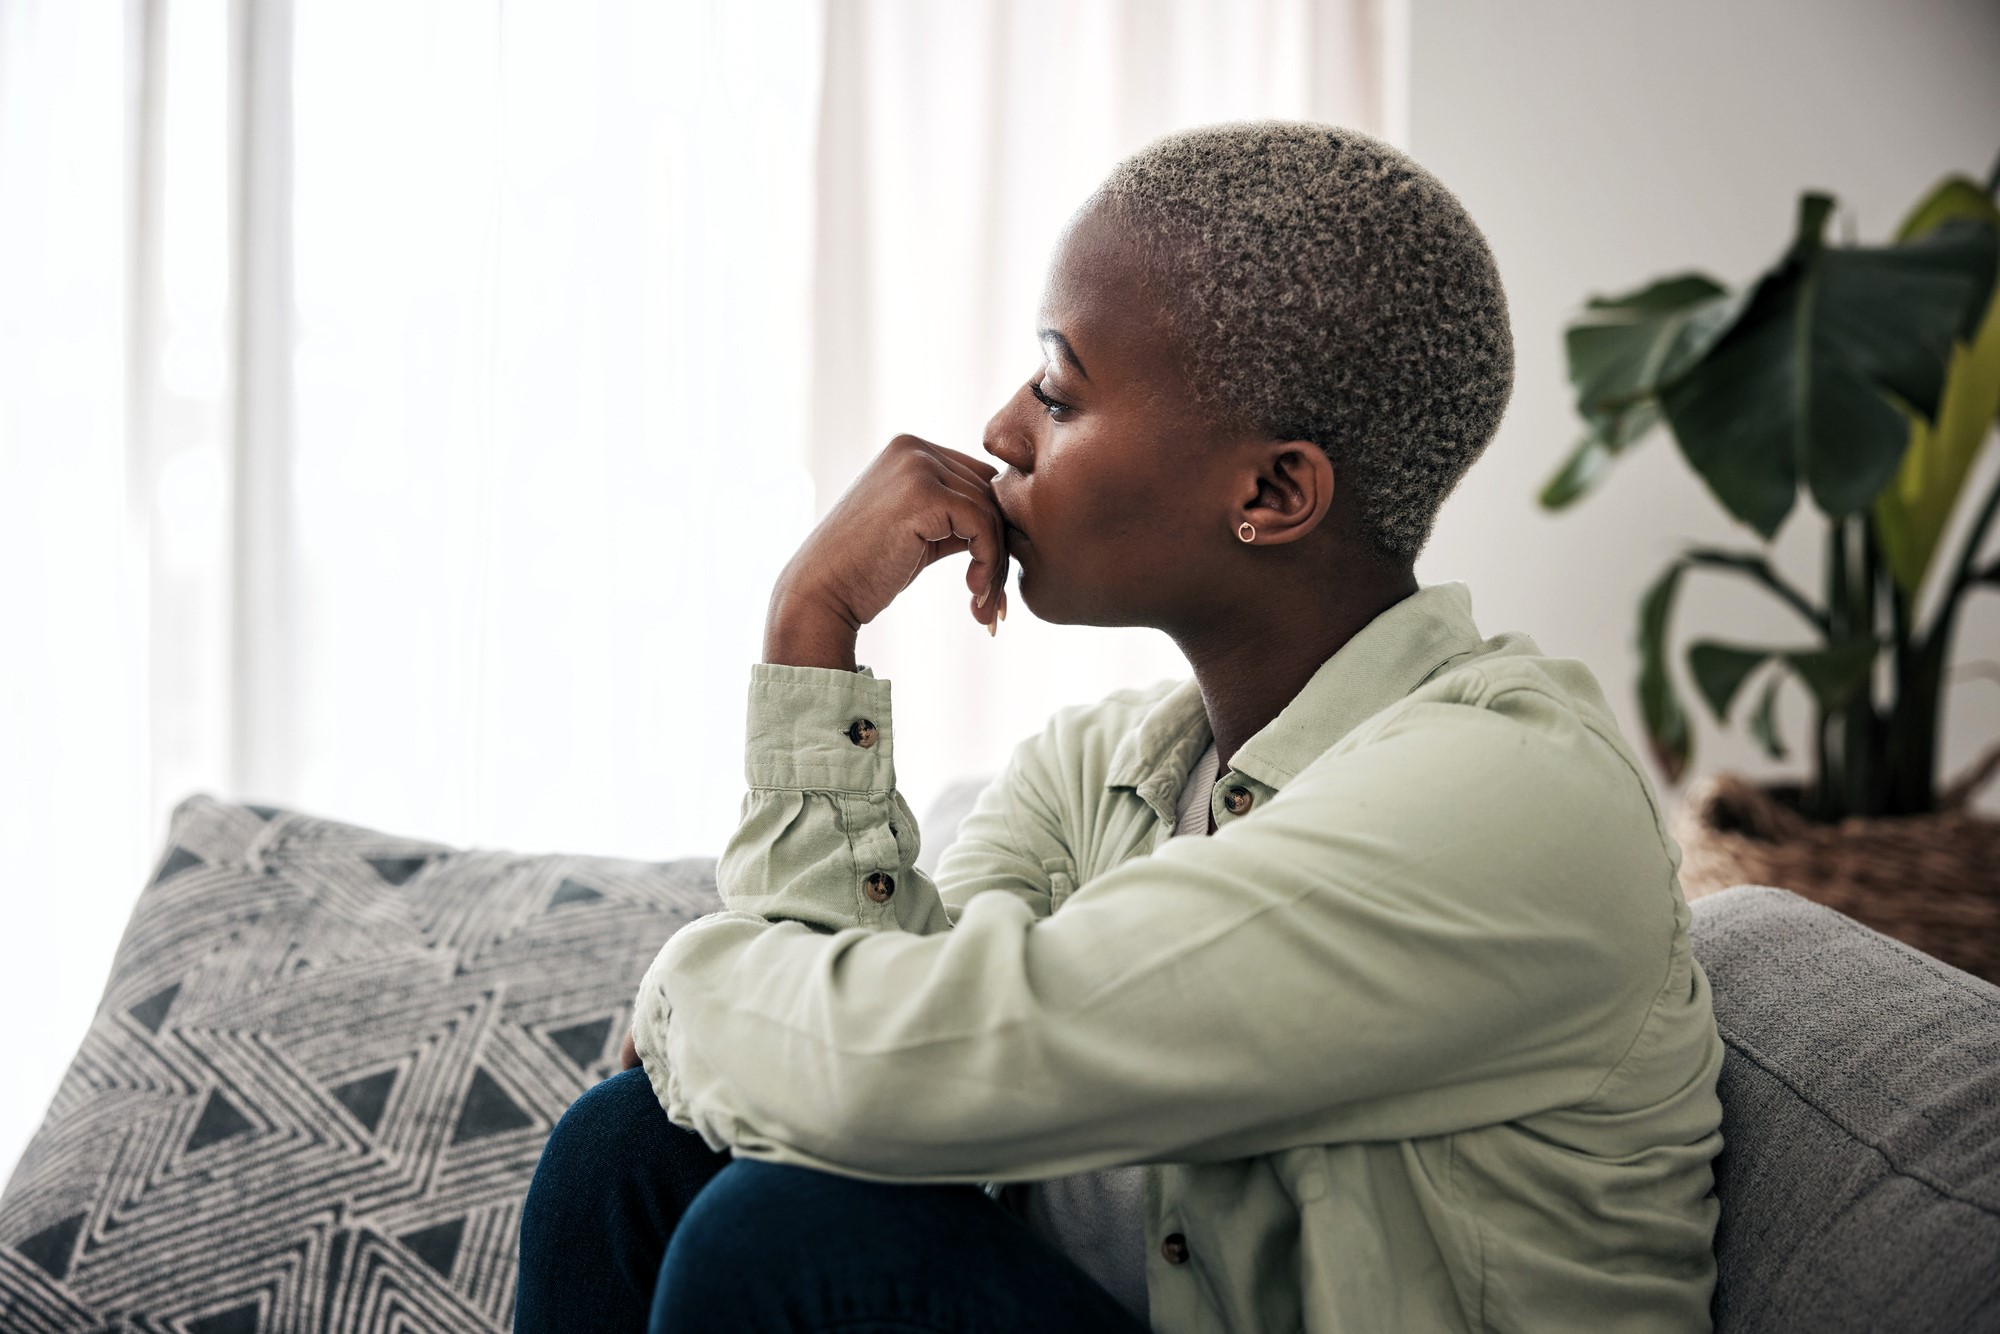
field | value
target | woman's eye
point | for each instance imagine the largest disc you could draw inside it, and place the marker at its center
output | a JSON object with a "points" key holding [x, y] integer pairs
{"points": [[1054, 407]]}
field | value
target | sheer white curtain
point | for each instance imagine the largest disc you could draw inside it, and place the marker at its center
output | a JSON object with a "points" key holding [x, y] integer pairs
{"points": [[549, 437], [72, 597], [405, 408]]}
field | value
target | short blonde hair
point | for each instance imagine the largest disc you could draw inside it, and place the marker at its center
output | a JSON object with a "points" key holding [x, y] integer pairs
{"points": [[1327, 288]]}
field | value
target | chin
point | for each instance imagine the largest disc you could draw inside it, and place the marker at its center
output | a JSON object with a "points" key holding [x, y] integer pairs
{"points": [[1040, 602], [1057, 605], [1026, 592]]}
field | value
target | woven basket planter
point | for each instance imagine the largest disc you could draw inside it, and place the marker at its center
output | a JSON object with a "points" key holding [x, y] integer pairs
{"points": [[1930, 881]]}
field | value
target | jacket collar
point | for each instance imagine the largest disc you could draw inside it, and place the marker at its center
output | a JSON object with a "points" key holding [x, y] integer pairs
{"points": [[1385, 660]]}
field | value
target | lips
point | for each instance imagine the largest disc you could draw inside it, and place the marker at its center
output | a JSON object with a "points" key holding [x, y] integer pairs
{"points": [[1013, 530], [1014, 538], [1014, 533]]}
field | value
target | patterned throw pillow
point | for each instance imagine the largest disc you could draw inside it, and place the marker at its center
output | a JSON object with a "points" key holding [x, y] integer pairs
{"points": [[320, 1077]]}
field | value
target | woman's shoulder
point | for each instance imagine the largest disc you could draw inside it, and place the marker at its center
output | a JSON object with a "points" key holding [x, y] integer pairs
{"points": [[1510, 676]]}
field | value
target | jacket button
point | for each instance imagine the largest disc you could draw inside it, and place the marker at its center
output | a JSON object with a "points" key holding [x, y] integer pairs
{"points": [[879, 886], [1174, 1247], [861, 732], [1238, 800]]}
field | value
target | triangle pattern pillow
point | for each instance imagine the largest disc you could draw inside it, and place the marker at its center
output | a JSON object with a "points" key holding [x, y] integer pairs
{"points": [[320, 1078]]}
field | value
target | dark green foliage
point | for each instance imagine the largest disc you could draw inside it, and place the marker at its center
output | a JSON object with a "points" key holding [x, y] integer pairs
{"points": [[1866, 376]]}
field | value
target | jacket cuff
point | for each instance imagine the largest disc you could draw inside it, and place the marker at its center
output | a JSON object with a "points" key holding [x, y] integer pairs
{"points": [[819, 728]]}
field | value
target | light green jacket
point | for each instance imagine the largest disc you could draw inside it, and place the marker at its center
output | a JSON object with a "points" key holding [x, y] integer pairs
{"points": [[1415, 1041]]}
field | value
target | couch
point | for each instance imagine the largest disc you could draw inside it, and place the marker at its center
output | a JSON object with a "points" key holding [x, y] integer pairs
{"points": [[327, 1057]]}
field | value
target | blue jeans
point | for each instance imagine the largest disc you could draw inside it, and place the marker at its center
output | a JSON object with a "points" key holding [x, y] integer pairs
{"points": [[634, 1223]]}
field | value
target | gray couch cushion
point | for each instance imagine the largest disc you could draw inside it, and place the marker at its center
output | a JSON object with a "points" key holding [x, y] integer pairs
{"points": [[1860, 1173], [320, 1079]]}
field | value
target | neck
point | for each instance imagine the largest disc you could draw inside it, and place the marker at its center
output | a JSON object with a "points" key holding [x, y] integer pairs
{"points": [[1254, 661]]}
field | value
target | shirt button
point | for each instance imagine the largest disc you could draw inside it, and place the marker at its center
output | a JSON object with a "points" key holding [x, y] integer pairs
{"points": [[1174, 1248], [1238, 800], [861, 732], [879, 886]]}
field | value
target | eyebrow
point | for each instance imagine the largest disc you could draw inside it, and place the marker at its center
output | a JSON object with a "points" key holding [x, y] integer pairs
{"points": [[1062, 345]]}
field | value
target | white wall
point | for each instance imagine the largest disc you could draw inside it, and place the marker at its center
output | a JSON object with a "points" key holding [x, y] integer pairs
{"points": [[1599, 145]]}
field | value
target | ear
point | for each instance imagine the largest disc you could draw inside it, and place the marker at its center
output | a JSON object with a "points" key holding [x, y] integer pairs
{"points": [[1290, 491]]}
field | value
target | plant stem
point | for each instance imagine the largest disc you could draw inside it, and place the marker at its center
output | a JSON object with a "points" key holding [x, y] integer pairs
{"points": [[1912, 719], [1830, 784], [1854, 717], [1867, 791]]}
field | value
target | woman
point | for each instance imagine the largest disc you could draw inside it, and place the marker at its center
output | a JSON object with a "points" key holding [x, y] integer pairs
{"points": [[1345, 985]]}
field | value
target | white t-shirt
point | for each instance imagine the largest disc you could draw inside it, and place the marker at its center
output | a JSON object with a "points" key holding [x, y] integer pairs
{"points": [[1095, 1218]]}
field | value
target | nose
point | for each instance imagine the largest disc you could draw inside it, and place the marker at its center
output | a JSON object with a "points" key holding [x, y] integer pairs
{"points": [[1008, 441]]}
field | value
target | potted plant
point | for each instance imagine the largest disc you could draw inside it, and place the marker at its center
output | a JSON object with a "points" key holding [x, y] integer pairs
{"points": [[1869, 376]]}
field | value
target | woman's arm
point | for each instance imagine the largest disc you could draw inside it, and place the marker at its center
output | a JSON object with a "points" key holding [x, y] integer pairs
{"points": [[1009, 841], [822, 796], [824, 837], [827, 841], [1466, 920]]}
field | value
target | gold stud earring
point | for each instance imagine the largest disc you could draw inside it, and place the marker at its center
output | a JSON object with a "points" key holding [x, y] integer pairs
{"points": [[1246, 531]]}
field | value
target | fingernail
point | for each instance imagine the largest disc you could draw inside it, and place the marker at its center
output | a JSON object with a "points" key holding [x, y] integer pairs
{"points": [[993, 627], [1003, 604], [980, 601]]}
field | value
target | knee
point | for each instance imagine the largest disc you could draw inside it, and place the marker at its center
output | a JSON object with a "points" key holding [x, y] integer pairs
{"points": [[791, 1223], [602, 1126], [604, 1147], [609, 1109], [749, 1207], [753, 1219]]}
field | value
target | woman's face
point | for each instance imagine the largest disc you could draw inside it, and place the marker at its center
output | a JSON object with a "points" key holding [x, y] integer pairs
{"points": [[1118, 498]]}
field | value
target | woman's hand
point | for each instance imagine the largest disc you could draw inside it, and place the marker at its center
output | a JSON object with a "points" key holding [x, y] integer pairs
{"points": [[915, 504]]}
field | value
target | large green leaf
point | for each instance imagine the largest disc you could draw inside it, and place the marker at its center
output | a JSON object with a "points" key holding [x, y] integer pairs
{"points": [[1720, 671], [1659, 707], [1832, 674], [1619, 352], [1662, 294], [1732, 414], [1813, 381], [1583, 469], [1626, 345], [1890, 318], [1609, 435], [1912, 512]]}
